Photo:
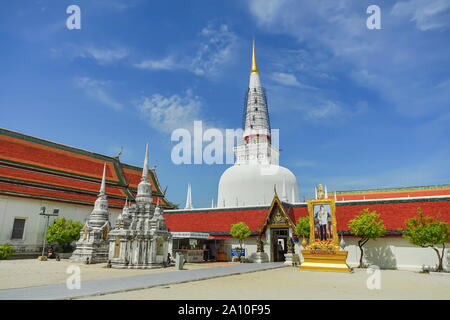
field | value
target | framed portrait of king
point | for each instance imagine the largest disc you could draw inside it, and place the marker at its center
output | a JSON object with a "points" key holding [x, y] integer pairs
{"points": [[322, 221]]}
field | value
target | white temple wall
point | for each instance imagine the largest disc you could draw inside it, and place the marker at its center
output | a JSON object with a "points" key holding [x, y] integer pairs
{"points": [[28, 209], [393, 253], [386, 253], [248, 244]]}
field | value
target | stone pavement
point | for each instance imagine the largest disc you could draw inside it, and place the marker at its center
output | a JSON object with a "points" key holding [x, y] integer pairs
{"points": [[113, 285]]}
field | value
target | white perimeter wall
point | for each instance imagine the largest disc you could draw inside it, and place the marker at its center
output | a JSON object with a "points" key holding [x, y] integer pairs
{"points": [[16, 207], [386, 253], [394, 253]]}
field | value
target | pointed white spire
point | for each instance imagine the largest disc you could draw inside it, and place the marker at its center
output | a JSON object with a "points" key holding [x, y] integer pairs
{"points": [[100, 215], [293, 195], [212, 202], [144, 193], [315, 192], [335, 196], [103, 184], [157, 209], [125, 207], [145, 167], [284, 196], [256, 119], [189, 198], [326, 192]]}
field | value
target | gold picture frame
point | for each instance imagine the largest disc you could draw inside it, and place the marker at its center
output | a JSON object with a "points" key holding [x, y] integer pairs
{"points": [[319, 239]]}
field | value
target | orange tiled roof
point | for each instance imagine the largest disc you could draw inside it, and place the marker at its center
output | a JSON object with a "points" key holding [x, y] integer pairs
{"points": [[37, 168], [218, 222], [385, 193]]}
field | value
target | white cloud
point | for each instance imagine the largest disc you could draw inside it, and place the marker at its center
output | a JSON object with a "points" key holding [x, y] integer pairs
{"points": [[98, 90], [289, 79], [325, 109], [167, 63], [214, 50], [102, 55], [427, 14], [166, 114], [266, 11]]}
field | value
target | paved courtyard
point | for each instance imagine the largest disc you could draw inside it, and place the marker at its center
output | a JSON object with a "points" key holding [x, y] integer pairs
{"points": [[292, 284], [31, 272], [223, 281]]}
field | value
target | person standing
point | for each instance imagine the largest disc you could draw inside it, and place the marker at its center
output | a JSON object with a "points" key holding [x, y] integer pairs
{"points": [[280, 251], [323, 217]]}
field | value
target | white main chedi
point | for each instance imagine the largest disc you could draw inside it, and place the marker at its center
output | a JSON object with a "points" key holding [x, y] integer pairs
{"points": [[255, 174]]}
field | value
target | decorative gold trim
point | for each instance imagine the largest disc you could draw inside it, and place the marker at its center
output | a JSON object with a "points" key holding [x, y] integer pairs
{"points": [[254, 66], [278, 226], [276, 202], [117, 247], [105, 232], [331, 261]]}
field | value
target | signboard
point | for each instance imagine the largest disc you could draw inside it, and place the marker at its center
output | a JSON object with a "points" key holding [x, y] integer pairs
{"points": [[234, 252], [192, 235]]}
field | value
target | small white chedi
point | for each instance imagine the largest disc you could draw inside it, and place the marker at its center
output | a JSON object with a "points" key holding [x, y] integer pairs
{"points": [[251, 180], [92, 247], [140, 238]]}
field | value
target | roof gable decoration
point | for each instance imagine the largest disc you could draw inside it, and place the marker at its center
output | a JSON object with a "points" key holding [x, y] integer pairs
{"points": [[277, 216]]}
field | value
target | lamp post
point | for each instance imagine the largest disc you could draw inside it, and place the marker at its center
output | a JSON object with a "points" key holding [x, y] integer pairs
{"points": [[48, 215]]}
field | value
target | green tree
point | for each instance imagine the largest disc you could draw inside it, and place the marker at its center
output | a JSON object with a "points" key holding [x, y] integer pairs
{"points": [[64, 232], [367, 225], [240, 231], [302, 227], [426, 232], [6, 250]]}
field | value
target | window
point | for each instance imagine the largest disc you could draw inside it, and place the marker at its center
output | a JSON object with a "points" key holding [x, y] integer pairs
{"points": [[18, 227]]}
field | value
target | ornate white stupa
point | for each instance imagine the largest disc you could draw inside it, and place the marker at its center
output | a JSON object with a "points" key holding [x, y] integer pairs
{"points": [[92, 247], [255, 174], [140, 238]]}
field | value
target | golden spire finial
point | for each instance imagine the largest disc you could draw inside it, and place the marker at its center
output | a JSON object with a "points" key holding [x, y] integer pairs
{"points": [[254, 66]]}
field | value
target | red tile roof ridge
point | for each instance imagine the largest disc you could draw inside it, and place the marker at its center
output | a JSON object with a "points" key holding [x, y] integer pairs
{"points": [[260, 207], [37, 140], [393, 199], [390, 189]]}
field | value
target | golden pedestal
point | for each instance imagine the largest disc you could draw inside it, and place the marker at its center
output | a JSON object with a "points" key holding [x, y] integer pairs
{"points": [[325, 261]]}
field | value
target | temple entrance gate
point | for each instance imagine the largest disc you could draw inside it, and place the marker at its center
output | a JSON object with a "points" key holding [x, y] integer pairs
{"points": [[278, 230], [279, 237]]}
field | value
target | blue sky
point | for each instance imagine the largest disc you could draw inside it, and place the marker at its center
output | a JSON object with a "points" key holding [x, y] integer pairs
{"points": [[356, 108]]}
